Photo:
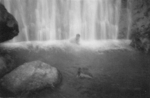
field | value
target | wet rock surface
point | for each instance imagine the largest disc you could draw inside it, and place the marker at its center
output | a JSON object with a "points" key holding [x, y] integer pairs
{"points": [[8, 25], [140, 28], [30, 77]]}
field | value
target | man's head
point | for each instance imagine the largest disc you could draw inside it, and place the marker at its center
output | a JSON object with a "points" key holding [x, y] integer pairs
{"points": [[77, 36]]}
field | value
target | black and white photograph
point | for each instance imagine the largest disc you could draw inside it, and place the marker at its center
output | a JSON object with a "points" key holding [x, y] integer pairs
{"points": [[74, 48]]}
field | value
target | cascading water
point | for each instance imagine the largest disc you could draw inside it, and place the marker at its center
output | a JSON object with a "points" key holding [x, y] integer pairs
{"points": [[61, 19]]}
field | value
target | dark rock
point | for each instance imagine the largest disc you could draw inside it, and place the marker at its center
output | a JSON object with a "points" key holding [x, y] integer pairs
{"points": [[140, 16], [6, 64], [140, 27], [31, 77], [84, 73], [8, 25]]}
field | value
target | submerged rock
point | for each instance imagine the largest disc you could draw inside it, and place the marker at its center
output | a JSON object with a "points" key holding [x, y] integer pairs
{"points": [[8, 25], [31, 77], [84, 73]]}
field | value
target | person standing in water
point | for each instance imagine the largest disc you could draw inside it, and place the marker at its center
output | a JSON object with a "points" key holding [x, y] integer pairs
{"points": [[76, 39]]}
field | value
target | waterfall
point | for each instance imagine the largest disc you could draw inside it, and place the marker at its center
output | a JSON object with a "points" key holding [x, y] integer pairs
{"points": [[129, 18], [61, 19]]}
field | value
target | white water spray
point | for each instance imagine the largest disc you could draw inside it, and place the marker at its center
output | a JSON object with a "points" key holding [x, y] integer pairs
{"points": [[61, 19]]}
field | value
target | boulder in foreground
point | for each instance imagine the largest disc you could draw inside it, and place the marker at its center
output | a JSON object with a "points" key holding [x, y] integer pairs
{"points": [[31, 77]]}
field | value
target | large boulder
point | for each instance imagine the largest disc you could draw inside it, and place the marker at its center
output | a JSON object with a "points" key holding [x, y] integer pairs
{"points": [[8, 25], [31, 77]]}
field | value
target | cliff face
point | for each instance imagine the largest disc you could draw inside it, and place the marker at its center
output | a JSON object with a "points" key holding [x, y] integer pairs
{"points": [[134, 17], [140, 24], [140, 16]]}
